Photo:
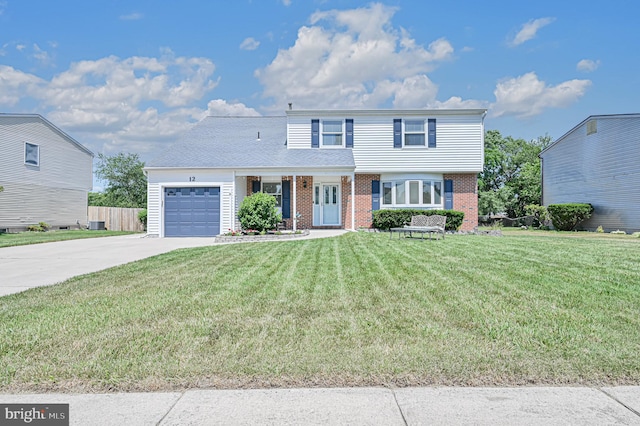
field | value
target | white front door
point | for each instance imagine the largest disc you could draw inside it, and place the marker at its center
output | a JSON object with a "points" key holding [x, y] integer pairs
{"points": [[326, 204]]}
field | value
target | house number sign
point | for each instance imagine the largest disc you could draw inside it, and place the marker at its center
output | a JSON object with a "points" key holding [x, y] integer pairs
{"points": [[192, 178]]}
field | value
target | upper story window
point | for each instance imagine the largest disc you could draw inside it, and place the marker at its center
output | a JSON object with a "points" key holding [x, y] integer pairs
{"points": [[31, 154], [414, 133], [332, 133]]}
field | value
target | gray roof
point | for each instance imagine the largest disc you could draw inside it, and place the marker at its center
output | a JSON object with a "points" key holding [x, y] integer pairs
{"points": [[232, 142]]}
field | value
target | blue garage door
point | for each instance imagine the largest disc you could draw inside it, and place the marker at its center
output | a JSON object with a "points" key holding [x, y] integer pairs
{"points": [[191, 212]]}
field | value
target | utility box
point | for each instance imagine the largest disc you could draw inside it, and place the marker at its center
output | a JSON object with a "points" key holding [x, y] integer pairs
{"points": [[96, 226]]}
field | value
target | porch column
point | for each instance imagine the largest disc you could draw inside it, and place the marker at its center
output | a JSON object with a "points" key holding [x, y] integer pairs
{"points": [[295, 203], [353, 201]]}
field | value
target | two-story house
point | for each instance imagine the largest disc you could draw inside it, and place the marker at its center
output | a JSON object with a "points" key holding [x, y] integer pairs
{"points": [[45, 173], [326, 168]]}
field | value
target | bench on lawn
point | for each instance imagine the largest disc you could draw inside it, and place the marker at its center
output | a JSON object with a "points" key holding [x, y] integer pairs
{"points": [[422, 224]]}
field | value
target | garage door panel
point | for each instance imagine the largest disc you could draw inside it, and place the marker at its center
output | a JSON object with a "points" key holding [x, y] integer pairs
{"points": [[192, 211]]}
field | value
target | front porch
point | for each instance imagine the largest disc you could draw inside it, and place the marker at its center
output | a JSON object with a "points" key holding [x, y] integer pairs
{"points": [[308, 201]]}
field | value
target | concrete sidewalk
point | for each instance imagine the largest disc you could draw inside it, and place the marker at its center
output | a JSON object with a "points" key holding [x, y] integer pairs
{"points": [[354, 406], [34, 265]]}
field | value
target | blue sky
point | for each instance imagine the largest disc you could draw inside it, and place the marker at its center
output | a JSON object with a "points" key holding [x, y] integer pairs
{"points": [[131, 76]]}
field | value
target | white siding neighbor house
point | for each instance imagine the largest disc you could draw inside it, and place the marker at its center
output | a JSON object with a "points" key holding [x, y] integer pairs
{"points": [[46, 174], [597, 162], [326, 168]]}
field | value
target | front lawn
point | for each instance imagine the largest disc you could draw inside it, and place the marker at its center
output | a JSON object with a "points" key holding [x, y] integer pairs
{"points": [[24, 238], [350, 311]]}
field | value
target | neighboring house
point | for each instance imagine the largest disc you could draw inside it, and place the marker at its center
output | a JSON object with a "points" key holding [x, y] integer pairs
{"points": [[332, 167], [597, 162], [46, 174]]}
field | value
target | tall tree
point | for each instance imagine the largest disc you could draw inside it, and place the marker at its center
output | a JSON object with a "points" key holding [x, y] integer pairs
{"points": [[126, 184], [510, 179]]}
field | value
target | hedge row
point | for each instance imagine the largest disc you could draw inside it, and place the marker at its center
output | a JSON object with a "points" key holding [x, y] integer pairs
{"points": [[565, 217], [386, 219]]}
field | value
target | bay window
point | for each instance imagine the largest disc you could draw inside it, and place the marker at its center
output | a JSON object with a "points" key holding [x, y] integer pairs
{"points": [[412, 193]]}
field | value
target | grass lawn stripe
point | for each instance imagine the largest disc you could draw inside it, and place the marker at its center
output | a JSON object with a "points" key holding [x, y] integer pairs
{"points": [[354, 310]]}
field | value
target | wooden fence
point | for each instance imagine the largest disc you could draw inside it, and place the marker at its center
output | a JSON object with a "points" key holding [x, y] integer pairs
{"points": [[116, 218]]}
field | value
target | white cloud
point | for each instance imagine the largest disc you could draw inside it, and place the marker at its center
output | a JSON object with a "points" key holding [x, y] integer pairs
{"points": [[42, 56], [15, 84], [286, 2], [115, 104], [3, 7], [529, 30], [135, 16], [221, 107], [588, 65], [353, 59], [527, 96], [249, 43]]}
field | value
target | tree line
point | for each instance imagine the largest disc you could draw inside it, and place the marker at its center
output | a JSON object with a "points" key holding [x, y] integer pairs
{"points": [[511, 178]]}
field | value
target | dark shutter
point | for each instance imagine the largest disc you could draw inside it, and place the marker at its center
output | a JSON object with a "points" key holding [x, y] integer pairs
{"points": [[255, 186], [397, 133], [375, 195], [448, 194], [349, 128], [286, 199], [315, 133], [432, 132]]}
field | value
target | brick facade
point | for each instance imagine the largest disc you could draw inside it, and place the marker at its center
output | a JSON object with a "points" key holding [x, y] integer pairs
{"points": [[363, 212], [465, 198]]}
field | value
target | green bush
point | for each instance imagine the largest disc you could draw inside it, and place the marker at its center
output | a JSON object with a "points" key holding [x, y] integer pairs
{"points": [[539, 213], [259, 212], [565, 217], [142, 217], [386, 219], [40, 227]]}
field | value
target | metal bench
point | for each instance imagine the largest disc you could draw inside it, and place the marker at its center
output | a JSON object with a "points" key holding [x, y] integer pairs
{"points": [[423, 224]]}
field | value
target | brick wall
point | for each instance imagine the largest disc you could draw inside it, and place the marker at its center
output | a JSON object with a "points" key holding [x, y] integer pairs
{"points": [[465, 198], [362, 199]]}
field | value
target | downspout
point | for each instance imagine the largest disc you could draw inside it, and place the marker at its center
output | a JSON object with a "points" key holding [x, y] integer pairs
{"points": [[233, 203], [353, 201], [295, 203]]}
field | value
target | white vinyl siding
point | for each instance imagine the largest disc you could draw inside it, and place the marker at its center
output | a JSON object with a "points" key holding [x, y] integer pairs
{"points": [[459, 148], [600, 168], [56, 190], [460, 142]]}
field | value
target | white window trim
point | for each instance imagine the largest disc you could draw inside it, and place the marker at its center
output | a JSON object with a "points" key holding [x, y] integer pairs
{"points": [[343, 133], [424, 133], [279, 182], [37, 154], [407, 195]]}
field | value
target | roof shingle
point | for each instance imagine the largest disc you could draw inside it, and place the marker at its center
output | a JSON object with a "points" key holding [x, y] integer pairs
{"points": [[232, 142]]}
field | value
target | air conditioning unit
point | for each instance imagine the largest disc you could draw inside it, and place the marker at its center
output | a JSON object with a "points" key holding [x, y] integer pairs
{"points": [[96, 226]]}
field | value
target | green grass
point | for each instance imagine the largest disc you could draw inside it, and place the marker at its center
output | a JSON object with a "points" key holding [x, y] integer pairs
{"points": [[350, 311], [24, 238]]}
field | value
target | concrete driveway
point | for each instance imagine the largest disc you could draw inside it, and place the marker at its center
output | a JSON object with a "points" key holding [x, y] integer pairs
{"points": [[35, 265]]}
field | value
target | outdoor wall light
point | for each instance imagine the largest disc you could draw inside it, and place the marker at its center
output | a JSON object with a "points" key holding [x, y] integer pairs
{"points": [[304, 183]]}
